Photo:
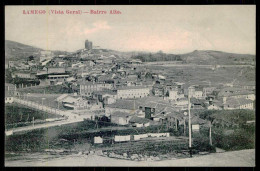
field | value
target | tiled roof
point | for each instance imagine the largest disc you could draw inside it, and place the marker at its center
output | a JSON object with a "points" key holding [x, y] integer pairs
{"points": [[105, 92], [89, 83], [69, 99], [124, 104], [197, 101], [160, 116], [148, 83], [160, 86], [197, 120], [231, 91], [122, 114], [131, 87], [171, 111], [235, 102], [150, 98], [217, 102], [62, 97], [178, 115], [136, 119]]}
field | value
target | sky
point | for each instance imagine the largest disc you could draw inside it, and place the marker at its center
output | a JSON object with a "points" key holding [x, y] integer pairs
{"points": [[172, 29]]}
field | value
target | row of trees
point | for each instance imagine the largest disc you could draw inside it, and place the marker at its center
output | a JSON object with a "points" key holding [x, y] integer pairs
{"points": [[157, 57], [17, 80]]}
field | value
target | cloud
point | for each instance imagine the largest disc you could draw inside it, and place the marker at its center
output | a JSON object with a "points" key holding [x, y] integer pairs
{"points": [[79, 29], [154, 41], [97, 26]]}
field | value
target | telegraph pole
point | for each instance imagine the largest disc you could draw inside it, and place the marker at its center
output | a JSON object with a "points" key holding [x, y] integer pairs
{"points": [[210, 138], [184, 131], [189, 125]]}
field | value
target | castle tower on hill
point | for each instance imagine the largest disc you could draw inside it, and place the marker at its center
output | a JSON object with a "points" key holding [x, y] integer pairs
{"points": [[88, 45]]}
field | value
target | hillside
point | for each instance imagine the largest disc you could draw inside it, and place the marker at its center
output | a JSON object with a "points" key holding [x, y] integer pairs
{"points": [[16, 51], [204, 57], [217, 57], [156, 57]]}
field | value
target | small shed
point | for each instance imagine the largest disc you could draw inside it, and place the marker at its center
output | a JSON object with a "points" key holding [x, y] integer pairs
{"points": [[98, 140]]}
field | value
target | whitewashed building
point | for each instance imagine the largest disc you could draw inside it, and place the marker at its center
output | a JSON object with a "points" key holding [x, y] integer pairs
{"points": [[132, 92], [238, 103]]}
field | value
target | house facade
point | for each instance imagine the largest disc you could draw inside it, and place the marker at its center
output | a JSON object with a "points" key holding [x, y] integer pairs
{"points": [[88, 88], [132, 92], [238, 103], [120, 118]]}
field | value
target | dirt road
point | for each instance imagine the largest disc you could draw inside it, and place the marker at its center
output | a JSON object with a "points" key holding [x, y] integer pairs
{"points": [[234, 158]]}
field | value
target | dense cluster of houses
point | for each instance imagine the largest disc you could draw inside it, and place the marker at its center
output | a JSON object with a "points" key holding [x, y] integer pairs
{"points": [[125, 90]]}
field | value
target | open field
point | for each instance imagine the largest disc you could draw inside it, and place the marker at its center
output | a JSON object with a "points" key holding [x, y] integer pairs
{"points": [[52, 89], [18, 115], [38, 140], [193, 74], [48, 99]]}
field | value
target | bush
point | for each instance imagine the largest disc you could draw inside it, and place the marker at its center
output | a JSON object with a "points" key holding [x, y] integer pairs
{"points": [[201, 143], [174, 132], [239, 140]]}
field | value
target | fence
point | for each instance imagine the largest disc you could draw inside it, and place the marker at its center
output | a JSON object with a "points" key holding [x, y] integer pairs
{"points": [[117, 138], [122, 138], [98, 140], [40, 107], [158, 134], [138, 137], [21, 86], [69, 114]]}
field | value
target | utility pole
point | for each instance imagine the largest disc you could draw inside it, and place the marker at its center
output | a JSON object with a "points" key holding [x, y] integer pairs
{"points": [[210, 138], [176, 124], [184, 124], [189, 125], [96, 125]]}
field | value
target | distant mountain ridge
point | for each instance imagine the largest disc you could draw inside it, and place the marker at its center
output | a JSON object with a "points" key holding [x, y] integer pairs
{"points": [[203, 57], [217, 57], [18, 51]]}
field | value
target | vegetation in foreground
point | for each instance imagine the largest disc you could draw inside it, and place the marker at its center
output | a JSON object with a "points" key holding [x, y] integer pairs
{"points": [[230, 130], [18, 115], [79, 136]]}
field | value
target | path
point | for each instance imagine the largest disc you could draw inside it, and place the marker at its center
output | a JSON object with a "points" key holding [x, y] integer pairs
{"points": [[234, 158], [71, 117]]}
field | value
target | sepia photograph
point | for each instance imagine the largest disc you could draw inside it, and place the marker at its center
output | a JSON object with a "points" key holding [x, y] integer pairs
{"points": [[121, 85]]}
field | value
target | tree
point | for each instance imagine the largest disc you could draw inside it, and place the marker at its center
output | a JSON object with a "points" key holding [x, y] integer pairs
{"points": [[30, 58], [148, 75]]}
